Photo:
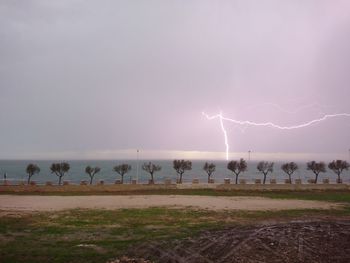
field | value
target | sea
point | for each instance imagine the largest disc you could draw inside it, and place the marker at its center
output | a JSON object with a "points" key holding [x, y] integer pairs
{"points": [[16, 172]]}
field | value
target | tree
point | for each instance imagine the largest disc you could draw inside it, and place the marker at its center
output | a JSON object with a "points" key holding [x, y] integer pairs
{"points": [[31, 170], [338, 167], [316, 168], [237, 167], [180, 167], [60, 169], [289, 168], [122, 169], [209, 168], [91, 171], [151, 169], [265, 168]]}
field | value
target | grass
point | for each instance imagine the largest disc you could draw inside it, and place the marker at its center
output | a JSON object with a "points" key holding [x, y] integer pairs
{"points": [[99, 235], [55, 237], [331, 196]]}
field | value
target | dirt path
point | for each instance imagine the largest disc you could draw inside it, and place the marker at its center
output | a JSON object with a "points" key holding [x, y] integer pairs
{"points": [[55, 203], [293, 242]]}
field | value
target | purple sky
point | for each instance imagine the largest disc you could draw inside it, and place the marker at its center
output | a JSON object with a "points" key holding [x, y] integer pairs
{"points": [[98, 79]]}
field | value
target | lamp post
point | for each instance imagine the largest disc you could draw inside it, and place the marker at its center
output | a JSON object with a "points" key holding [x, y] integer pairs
{"points": [[137, 165]]}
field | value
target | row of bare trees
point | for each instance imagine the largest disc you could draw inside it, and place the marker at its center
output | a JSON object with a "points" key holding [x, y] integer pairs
{"points": [[181, 166], [60, 169], [240, 166], [337, 166]]}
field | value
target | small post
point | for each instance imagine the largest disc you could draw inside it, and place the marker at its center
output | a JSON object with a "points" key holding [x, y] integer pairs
{"points": [[137, 165]]}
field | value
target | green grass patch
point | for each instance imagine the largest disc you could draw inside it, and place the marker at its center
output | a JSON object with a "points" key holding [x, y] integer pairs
{"points": [[332, 196]]}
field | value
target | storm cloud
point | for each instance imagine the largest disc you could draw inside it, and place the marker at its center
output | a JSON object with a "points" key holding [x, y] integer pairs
{"points": [[91, 76]]}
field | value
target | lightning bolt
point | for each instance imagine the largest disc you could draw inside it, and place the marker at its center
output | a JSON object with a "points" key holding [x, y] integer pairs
{"points": [[267, 124], [225, 135]]}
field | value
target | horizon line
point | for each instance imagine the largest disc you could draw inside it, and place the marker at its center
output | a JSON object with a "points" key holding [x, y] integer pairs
{"points": [[143, 155]]}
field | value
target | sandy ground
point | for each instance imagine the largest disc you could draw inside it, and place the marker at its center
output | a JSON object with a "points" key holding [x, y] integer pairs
{"points": [[56, 203]]}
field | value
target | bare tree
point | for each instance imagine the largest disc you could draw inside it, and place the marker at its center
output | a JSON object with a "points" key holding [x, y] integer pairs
{"points": [[91, 171], [338, 167], [60, 169], [265, 168], [209, 168], [316, 168], [31, 170], [151, 169], [180, 167], [237, 167], [122, 169], [289, 169]]}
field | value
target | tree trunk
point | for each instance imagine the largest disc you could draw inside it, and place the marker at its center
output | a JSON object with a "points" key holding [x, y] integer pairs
{"points": [[316, 178], [264, 178], [152, 179], [122, 178], [236, 178], [59, 180], [290, 178], [91, 177], [29, 176], [180, 181], [208, 178], [338, 177]]}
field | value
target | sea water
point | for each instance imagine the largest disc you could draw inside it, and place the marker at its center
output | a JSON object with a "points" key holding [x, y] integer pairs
{"points": [[15, 171]]}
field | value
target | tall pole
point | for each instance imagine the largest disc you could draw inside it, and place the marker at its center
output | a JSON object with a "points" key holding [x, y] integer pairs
{"points": [[137, 166]]}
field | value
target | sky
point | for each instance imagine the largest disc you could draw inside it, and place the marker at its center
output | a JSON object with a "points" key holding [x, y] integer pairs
{"points": [[100, 79]]}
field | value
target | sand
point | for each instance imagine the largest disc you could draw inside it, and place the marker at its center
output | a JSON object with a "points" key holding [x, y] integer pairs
{"points": [[57, 203]]}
